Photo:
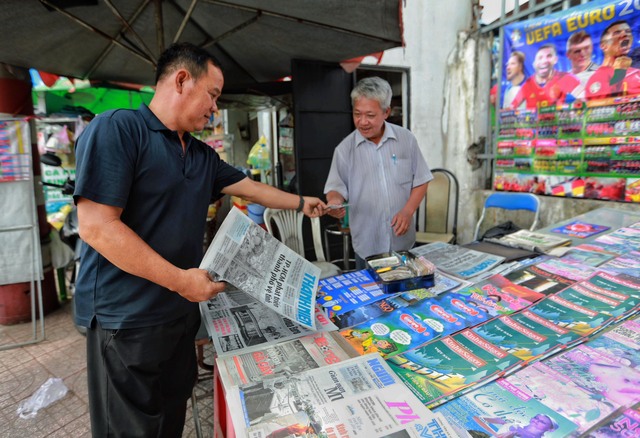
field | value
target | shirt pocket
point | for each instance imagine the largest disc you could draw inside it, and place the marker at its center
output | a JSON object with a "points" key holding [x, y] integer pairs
{"points": [[402, 170]]}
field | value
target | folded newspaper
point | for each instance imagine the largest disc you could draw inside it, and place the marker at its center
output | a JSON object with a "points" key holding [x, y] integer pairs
{"points": [[532, 241], [246, 256], [352, 398]]}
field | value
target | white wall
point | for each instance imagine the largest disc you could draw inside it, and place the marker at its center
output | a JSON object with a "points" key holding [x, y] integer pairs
{"points": [[449, 89], [431, 35]]}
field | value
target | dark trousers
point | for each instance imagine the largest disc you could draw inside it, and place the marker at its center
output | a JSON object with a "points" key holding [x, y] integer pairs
{"points": [[360, 263], [140, 379]]}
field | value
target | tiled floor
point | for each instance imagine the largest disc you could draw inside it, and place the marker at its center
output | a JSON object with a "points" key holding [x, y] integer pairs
{"points": [[62, 354]]}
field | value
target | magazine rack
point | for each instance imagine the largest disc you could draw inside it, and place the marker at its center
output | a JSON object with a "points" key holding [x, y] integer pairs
{"points": [[20, 224]]}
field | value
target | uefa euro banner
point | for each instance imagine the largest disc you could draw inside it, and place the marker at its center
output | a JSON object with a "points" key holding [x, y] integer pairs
{"points": [[569, 119]]}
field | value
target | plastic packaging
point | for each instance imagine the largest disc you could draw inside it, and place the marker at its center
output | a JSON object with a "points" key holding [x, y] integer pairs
{"points": [[259, 155], [50, 391]]}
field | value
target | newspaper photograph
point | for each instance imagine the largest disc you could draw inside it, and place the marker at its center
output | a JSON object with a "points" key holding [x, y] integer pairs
{"points": [[255, 364], [456, 260], [236, 320], [356, 397], [249, 258]]}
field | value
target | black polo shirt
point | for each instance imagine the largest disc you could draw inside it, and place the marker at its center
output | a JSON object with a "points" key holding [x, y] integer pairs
{"points": [[129, 159]]}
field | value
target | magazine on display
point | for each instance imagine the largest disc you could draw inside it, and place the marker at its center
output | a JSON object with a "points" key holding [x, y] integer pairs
{"points": [[392, 302], [626, 423], [539, 280], [456, 260], [246, 256], [561, 395], [357, 397], [580, 230], [620, 343], [608, 302], [236, 320], [498, 296], [345, 292], [602, 377], [450, 365], [522, 338], [570, 315], [412, 326], [628, 264], [566, 270], [255, 364], [578, 256], [531, 241], [500, 409]]}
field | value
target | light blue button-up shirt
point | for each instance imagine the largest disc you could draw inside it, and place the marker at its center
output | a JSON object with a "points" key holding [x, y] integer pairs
{"points": [[376, 180]]}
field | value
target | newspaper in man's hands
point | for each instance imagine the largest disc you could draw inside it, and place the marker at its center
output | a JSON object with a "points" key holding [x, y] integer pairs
{"points": [[249, 258]]}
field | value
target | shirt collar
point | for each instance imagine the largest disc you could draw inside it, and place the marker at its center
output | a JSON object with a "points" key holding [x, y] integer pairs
{"points": [[154, 122], [388, 133], [150, 119]]}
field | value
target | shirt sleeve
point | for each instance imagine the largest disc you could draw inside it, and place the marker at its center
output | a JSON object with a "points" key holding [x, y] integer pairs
{"points": [[105, 163], [421, 172], [226, 175]]}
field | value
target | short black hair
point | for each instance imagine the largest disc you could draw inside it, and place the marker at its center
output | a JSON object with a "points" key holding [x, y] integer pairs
{"points": [[184, 55], [608, 28]]}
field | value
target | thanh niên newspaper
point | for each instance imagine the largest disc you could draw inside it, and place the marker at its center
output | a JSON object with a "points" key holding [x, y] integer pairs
{"points": [[246, 256]]}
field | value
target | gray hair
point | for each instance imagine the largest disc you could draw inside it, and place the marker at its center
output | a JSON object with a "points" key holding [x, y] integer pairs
{"points": [[374, 88]]}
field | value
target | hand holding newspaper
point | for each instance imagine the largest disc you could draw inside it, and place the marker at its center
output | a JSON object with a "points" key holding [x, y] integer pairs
{"points": [[255, 262]]}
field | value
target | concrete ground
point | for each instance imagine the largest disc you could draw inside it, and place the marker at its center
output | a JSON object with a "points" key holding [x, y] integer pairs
{"points": [[63, 354]]}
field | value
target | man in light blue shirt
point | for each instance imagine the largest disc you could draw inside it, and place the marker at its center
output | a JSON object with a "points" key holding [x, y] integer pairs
{"points": [[380, 171]]}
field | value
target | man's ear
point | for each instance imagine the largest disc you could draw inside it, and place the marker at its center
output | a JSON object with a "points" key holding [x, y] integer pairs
{"points": [[387, 113], [181, 77]]}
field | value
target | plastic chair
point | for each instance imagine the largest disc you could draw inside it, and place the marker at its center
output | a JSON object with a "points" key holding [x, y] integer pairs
{"points": [[440, 209], [289, 226], [511, 201]]}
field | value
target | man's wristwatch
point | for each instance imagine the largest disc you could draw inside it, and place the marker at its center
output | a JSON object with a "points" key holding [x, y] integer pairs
{"points": [[301, 205]]}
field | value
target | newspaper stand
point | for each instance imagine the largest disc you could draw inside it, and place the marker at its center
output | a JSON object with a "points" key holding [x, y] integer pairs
{"points": [[222, 424]]}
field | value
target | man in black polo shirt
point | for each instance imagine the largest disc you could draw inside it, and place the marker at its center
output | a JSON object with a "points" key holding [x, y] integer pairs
{"points": [[143, 186]]}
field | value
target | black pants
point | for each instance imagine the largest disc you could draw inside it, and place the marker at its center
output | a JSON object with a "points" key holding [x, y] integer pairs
{"points": [[140, 379]]}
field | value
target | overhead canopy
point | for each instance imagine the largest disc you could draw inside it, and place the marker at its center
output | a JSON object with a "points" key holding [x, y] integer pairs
{"points": [[254, 40]]}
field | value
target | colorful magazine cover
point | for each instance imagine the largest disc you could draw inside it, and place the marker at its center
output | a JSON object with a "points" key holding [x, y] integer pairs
{"points": [[580, 229], [539, 280], [571, 316], [449, 365], [341, 293], [498, 409], [629, 233], [615, 243], [602, 377], [577, 256], [625, 424], [566, 270], [628, 264], [388, 304], [499, 296], [620, 343], [412, 326], [605, 301], [525, 341], [621, 283], [560, 394]]}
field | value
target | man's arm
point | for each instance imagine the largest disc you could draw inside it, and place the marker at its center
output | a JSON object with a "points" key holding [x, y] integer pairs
{"points": [[102, 229], [402, 219], [269, 196]]}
